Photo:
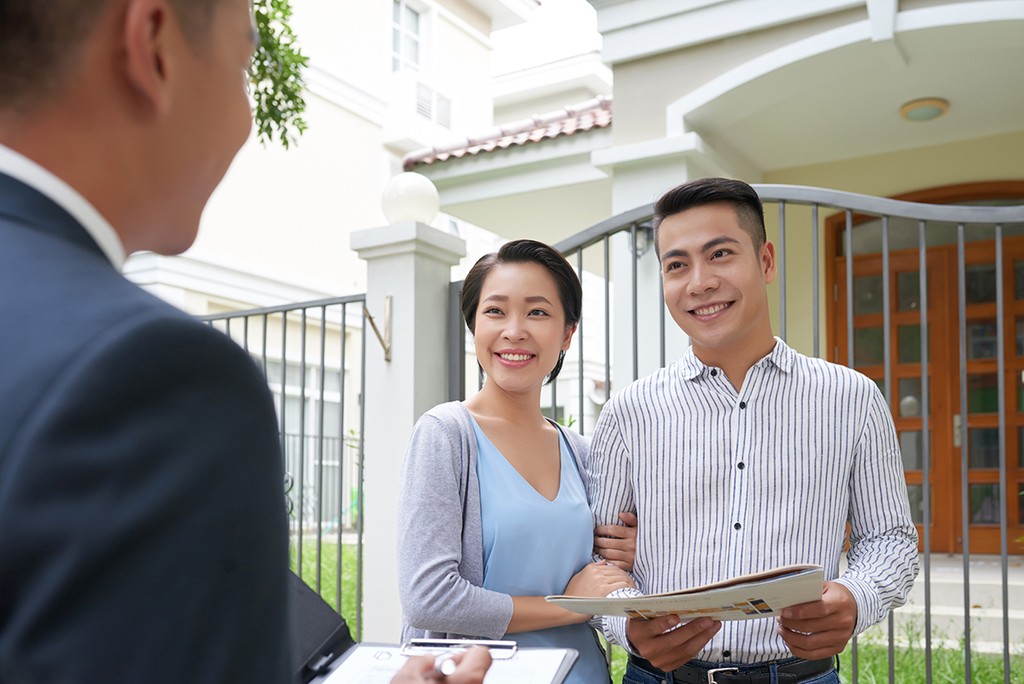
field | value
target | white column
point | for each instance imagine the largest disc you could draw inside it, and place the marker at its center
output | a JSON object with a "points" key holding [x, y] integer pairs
{"points": [[635, 185], [412, 263]]}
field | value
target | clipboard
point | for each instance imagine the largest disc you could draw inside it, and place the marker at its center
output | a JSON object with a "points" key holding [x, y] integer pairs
{"points": [[324, 652], [500, 650], [318, 633], [377, 663]]}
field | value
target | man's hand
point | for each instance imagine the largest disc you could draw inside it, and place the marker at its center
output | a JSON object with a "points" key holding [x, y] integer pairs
{"points": [[820, 629], [617, 543], [668, 648], [472, 666]]}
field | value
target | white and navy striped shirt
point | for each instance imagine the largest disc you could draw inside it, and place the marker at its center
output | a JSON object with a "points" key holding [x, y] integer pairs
{"points": [[727, 483]]}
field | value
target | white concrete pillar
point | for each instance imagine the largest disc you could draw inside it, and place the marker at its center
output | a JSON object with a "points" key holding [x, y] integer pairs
{"points": [[634, 186], [412, 263]]}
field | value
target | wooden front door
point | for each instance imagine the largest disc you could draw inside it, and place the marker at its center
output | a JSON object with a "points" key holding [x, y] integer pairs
{"points": [[963, 441]]}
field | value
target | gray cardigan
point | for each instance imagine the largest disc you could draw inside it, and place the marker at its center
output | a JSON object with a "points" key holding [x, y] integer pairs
{"points": [[440, 535]]}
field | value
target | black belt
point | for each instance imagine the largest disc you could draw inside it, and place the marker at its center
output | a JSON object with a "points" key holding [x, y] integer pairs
{"points": [[791, 672]]}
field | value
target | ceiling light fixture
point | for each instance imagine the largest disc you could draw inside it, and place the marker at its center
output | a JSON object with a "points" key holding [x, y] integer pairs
{"points": [[924, 109]]}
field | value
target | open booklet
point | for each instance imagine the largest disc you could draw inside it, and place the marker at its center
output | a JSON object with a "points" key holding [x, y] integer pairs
{"points": [[757, 595]]}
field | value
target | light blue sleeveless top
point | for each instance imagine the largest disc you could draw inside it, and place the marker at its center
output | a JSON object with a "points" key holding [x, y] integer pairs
{"points": [[533, 547]]}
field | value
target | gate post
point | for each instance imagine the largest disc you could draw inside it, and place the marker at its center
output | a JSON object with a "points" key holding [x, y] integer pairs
{"points": [[410, 262]]}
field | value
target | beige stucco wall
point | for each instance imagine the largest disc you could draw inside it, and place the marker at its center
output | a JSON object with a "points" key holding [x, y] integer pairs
{"points": [[999, 157], [286, 215], [469, 13], [645, 87], [553, 102], [460, 71], [346, 38]]}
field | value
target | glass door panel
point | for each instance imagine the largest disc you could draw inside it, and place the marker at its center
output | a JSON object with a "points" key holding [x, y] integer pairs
{"points": [[908, 403], [984, 509]]}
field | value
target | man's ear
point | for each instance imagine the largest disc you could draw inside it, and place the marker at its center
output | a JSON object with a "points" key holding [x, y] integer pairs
{"points": [[768, 261], [146, 34]]}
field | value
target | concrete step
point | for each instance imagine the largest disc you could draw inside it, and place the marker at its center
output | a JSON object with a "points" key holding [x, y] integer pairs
{"points": [[985, 613]]}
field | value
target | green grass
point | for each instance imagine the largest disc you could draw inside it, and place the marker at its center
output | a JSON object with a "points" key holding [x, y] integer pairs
{"points": [[329, 551], [909, 663], [873, 665], [618, 663], [872, 657]]}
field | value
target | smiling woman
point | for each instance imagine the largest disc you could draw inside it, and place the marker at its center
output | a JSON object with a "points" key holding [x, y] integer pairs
{"points": [[549, 267], [494, 514]]}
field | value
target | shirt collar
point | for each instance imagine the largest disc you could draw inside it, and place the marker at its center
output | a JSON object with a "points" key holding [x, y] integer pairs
{"points": [[22, 168], [781, 356]]}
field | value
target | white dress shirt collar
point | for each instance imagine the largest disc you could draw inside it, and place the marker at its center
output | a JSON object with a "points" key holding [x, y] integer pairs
{"points": [[781, 355], [29, 172]]}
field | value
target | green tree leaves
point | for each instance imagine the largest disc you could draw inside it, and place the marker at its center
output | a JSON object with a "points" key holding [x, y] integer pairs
{"points": [[276, 75]]}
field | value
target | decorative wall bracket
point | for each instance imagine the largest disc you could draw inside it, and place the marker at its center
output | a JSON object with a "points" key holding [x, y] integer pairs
{"points": [[385, 339]]}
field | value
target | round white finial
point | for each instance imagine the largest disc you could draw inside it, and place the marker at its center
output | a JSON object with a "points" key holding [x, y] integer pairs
{"points": [[410, 197]]}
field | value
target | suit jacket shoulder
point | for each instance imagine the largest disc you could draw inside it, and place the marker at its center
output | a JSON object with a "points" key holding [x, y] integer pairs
{"points": [[141, 485]]}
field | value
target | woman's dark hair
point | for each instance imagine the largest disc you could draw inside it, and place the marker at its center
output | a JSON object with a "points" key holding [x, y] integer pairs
{"points": [[570, 292]]}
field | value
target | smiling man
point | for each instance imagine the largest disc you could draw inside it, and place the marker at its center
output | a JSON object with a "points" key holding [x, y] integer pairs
{"points": [[143, 534], [744, 455]]}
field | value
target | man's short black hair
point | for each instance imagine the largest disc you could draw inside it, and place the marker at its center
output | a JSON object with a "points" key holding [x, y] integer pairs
{"points": [[40, 40], [743, 199]]}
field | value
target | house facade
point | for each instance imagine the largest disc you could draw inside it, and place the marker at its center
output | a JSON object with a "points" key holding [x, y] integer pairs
{"points": [[385, 78], [541, 119], [917, 100]]}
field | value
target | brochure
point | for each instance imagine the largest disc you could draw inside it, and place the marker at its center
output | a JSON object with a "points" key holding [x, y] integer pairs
{"points": [[756, 595]]}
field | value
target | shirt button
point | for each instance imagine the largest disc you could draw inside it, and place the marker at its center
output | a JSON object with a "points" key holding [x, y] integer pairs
{"points": [[743, 404], [741, 465], [714, 372], [737, 526], [726, 653]]}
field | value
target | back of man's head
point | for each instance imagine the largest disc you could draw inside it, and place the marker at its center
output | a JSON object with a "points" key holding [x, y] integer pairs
{"points": [[138, 105], [702, 191], [42, 40]]}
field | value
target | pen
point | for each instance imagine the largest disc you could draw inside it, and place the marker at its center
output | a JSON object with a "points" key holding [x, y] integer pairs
{"points": [[444, 664]]}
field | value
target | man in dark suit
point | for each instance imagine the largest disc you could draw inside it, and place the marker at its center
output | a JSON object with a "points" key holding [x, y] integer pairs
{"points": [[143, 534]]}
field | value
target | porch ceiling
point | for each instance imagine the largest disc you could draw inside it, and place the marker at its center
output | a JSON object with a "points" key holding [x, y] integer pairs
{"points": [[548, 215], [845, 103]]}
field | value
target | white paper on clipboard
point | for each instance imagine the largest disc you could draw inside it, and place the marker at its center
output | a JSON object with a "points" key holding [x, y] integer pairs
{"points": [[378, 663]]}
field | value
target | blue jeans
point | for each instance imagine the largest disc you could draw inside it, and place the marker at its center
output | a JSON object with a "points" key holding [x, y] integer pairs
{"points": [[636, 675]]}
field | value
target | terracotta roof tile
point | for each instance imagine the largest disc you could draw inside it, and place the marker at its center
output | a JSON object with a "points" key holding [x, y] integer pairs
{"points": [[596, 113]]}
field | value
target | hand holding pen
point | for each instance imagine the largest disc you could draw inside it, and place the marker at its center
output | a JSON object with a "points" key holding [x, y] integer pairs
{"points": [[467, 667]]}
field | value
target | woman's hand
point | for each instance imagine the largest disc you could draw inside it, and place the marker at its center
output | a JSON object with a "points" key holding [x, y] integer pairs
{"points": [[617, 543], [598, 579], [595, 579]]}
